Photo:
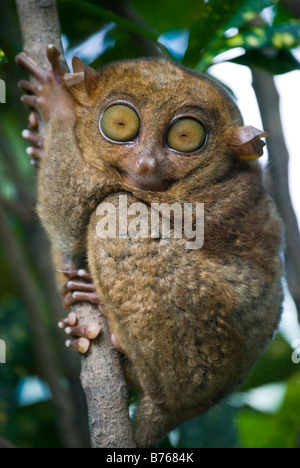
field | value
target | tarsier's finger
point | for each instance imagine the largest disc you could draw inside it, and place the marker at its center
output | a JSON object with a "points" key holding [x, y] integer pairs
{"points": [[35, 153], [34, 138], [53, 55], [72, 298], [81, 345], [26, 62], [71, 273], [35, 163], [29, 100], [69, 321], [33, 121], [29, 86], [86, 296], [69, 300], [90, 330], [74, 285]]}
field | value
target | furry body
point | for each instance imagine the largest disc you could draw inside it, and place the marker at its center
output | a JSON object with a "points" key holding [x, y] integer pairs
{"points": [[191, 322]]}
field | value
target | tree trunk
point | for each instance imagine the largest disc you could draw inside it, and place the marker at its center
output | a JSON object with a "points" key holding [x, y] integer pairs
{"points": [[102, 376]]}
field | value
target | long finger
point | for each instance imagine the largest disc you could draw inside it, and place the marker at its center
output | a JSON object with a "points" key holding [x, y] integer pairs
{"points": [[74, 285], [53, 55], [29, 86], [34, 138], [26, 62], [90, 330], [29, 100]]}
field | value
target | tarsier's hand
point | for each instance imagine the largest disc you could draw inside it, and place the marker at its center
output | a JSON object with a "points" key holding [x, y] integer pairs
{"points": [[48, 96]]}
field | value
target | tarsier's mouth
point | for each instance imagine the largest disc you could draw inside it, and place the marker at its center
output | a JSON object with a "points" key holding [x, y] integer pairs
{"points": [[148, 184]]}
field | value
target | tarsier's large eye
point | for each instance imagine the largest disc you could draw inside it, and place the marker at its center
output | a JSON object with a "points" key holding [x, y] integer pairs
{"points": [[120, 123], [186, 135]]}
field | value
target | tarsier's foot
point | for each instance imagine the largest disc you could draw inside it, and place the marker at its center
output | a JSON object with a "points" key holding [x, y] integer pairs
{"points": [[80, 287], [84, 333]]}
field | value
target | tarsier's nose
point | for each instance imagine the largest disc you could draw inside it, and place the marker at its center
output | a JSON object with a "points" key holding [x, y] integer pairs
{"points": [[147, 165]]}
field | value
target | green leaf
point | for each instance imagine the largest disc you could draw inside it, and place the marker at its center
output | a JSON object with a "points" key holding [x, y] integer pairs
{"points": [[3, 58], [248, 11], [284, 36], [281, 430], [274, 61], [211, 23], [208, 34]]}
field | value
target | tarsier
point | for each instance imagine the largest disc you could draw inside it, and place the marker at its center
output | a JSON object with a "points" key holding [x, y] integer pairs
{"points": [[190, 323]]}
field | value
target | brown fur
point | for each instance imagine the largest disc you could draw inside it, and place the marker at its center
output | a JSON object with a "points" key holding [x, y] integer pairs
{"points": [[191, 322]]}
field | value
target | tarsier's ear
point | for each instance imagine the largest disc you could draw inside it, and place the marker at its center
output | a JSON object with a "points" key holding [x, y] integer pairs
{"points": [[82, 82], [246, 142]]}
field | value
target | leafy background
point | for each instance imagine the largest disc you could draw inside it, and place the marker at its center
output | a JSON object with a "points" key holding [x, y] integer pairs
{"points": [[30, 414]]}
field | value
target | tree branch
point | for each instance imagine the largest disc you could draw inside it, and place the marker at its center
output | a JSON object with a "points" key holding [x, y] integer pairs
{"points": [[102, 376], [278, 183]]}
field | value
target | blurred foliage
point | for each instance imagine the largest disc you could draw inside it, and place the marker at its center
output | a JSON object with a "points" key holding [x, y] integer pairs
{"points": [[2, 56], [215, 26], [279, 430]]}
